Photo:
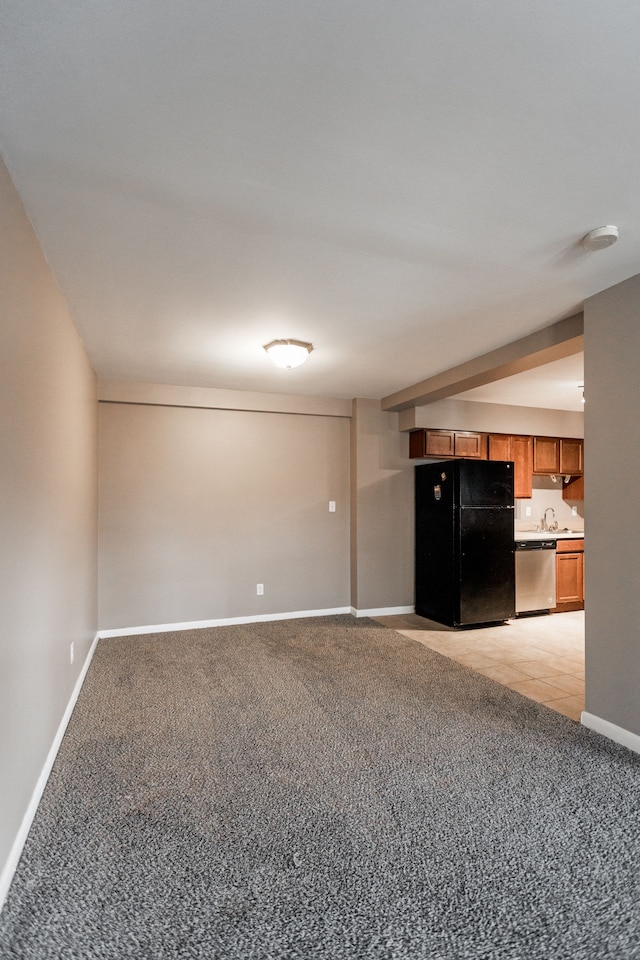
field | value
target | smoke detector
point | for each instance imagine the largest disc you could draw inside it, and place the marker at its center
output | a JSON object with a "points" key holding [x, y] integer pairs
{"points": [[600, 238]]}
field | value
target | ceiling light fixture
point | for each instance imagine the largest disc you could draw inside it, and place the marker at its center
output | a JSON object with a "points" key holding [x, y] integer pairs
{"points": [[288, 353], [600, 238]]}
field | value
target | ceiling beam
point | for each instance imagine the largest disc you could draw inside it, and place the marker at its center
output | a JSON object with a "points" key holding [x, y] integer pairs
{"points": [[561, 339]]}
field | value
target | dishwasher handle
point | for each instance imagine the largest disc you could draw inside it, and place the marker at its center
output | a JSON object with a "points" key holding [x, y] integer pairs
{"points": [[536, 544]]}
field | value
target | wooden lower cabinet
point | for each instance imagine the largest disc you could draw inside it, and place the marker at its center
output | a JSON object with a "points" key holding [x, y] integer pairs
{"points": [[569, 576]]}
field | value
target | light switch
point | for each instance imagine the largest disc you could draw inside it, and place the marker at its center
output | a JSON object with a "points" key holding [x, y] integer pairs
{"points": [[332, 506]]}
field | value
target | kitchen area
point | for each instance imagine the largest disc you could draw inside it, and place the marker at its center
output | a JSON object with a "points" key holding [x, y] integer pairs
{"points": [[548, 509], [536, 646], [549, 552], [541, 658]]}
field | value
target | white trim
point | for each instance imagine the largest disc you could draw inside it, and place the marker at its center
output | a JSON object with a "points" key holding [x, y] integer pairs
{"points": [[382, 611], [224, 622], [624, 737], [15, 853]]}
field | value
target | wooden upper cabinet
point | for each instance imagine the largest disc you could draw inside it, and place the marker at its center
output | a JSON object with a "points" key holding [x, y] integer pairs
{"points": [[530, 455], [468, 444], [561, 455], [518, 449], [431, 443], [574, 490], [522, 456], [571, 457], [417, 443], [440, 443], [546, 455], [447, 443], [499, 446]]}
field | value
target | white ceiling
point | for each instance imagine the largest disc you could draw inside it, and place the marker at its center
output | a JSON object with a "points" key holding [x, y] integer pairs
{"points": [[555, 386], [405, 185]]}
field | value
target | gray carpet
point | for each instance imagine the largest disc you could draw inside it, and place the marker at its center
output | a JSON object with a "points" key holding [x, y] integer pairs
{"points": [[323, 789]]}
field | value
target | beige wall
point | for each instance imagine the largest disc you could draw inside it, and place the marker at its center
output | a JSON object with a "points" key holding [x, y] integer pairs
{"points": [[382, 510], [612, 352], [494, 418], [197, 506], [48, 510]]}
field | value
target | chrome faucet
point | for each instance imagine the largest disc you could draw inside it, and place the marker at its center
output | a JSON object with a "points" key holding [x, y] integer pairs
{"points": [[554, 523]]}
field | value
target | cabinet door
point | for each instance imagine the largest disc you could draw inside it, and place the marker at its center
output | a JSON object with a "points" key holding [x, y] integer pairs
{"points": [[571, 457], [447, 443], [440, 443], [417, 443], [570, 581], [468, 445], [522, 456], [499, 446], [546, 455], [574, 490]]}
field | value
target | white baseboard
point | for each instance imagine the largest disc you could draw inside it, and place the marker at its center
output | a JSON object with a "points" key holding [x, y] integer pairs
{"points": [[11, 864], [611, 730], [382, 611], [223, 622]]}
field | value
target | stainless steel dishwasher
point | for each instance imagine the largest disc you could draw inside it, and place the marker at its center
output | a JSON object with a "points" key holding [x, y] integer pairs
{"points": [[535, 575]]}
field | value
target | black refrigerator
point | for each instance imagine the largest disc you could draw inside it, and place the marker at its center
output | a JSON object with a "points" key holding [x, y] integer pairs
{"points": [[465, 570]]}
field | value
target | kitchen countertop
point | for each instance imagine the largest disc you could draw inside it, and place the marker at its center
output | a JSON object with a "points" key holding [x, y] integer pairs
{"points": [[548, 535]]}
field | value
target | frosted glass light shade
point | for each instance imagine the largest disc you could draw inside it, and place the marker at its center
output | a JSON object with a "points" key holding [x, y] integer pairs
{"points": [[288, 353]]}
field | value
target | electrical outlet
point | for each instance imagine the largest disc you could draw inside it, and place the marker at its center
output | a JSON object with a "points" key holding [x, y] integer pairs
{"points": [[574, 511], [260, 589], [527, 511], [332, 506], [71, 652]]}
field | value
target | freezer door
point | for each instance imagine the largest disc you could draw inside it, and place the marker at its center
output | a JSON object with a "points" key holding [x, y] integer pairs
{"points": [[485, 483], [486, 566]]}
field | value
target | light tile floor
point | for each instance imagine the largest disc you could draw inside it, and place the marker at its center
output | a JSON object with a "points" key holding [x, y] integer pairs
{"points": [[541, 657]]}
